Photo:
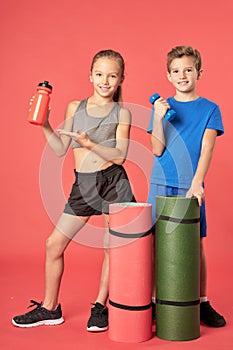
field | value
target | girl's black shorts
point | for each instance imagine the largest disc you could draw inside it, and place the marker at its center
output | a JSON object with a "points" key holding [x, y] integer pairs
{"points": [[92, 193]]}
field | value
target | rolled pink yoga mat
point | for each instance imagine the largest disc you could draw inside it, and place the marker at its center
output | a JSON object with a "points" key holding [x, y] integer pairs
{"points": [[130, 314]]}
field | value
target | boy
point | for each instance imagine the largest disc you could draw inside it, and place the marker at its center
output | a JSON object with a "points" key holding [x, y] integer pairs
{"points": [[183, 149]]}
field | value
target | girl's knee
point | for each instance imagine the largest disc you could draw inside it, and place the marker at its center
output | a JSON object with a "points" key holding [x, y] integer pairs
{"points": [[53, 248]]}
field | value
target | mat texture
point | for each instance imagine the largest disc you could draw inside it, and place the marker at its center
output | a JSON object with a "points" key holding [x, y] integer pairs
{"points": [[130, 273], [177, 268]]}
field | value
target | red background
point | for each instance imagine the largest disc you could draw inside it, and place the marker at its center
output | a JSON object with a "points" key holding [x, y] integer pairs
{"points": [[55, 41]]}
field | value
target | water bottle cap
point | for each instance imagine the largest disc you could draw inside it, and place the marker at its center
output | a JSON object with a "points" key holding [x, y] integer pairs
{"points": [[46, 84]]}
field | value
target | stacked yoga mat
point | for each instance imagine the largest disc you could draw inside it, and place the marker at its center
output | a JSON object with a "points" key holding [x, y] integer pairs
{"points": [[130, 272], [177, 268]]}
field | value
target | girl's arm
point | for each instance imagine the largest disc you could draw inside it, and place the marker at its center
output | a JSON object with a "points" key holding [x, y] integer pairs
{"points": [[157, 137], [208, 142], [60, 144], [115, 155]]}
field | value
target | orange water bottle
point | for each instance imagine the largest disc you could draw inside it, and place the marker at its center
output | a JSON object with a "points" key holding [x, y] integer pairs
{"points": [[40, 104]]}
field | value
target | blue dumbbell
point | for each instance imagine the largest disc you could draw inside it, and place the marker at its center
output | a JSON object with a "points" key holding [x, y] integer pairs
{"points": [[170, 115]]}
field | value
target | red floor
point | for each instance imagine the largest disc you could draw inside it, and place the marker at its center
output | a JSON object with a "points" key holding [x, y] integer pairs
{"points": [[22, 279]]}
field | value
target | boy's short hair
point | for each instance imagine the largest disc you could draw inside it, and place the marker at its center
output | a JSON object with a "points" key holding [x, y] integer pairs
{"points": [[180, 51]]}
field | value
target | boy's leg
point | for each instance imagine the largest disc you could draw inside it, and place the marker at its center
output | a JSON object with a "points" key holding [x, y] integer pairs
{"points": [[203, 271], [207, 313]]}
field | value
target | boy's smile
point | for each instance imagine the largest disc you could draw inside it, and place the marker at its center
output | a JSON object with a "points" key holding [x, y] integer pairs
{"points": [[183, 75]]}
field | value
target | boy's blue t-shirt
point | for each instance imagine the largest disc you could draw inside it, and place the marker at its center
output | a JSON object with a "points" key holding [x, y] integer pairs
{"points": [[183, 136]]}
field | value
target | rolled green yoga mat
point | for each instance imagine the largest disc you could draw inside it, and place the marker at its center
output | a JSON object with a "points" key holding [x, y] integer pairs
{"points": [[177, 268]]}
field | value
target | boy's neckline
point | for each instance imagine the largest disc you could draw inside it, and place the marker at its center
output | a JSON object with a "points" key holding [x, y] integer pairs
{"points": [[184, 101]]}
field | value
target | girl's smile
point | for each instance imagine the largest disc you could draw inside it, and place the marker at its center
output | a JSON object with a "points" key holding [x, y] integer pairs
{"points": [[106, 76]]}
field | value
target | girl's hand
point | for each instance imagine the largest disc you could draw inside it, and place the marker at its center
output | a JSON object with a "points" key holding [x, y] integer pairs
{"points": [[196, 190], [46, 122], [78, 136]]}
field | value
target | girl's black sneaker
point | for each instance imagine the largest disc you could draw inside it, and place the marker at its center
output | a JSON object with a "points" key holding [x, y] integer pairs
{"points": [[39, 316], [98, 321]]}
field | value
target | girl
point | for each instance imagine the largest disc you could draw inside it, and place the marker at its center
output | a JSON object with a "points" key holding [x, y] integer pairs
{"points": [[98, 129]]}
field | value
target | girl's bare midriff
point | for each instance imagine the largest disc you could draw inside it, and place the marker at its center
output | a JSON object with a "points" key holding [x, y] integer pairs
{"points": [[89, 162]]}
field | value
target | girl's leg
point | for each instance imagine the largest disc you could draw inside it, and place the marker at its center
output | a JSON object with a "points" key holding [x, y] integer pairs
{"points": [[98, 320], [66, 228], [103, 288]]}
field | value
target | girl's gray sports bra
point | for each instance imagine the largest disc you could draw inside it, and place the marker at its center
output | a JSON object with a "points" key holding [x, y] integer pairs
{"points": [[101, 130]]}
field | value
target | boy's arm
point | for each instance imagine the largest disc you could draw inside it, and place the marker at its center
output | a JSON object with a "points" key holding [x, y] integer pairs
{"points": [[157, 137], [196, 189]]}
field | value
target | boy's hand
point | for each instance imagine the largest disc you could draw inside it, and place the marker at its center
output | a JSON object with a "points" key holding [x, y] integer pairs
{"points": [[160, 107], [196, 190]]}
